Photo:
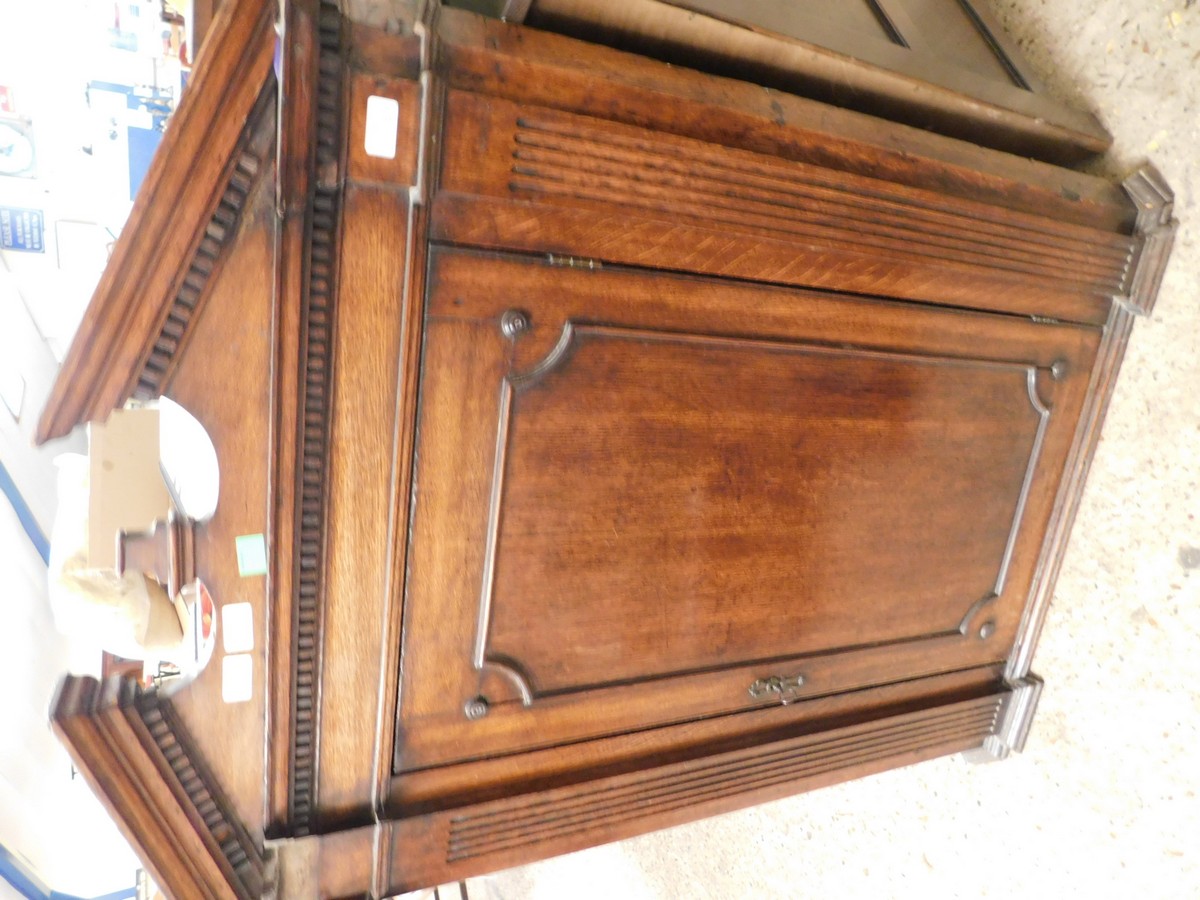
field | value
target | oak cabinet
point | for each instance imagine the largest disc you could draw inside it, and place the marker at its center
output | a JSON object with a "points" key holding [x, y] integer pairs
{"points": [[629, 445]]}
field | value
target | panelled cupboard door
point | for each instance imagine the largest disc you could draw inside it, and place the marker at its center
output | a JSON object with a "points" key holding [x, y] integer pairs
{"points": [[642, 498]]}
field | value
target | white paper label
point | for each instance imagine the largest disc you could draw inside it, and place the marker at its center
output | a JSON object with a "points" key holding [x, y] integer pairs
{"points": [[237, 627], [237, 678], [383, 121]]}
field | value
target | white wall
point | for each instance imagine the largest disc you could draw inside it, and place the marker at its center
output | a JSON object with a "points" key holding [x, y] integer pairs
{"points": [[46, 816]]}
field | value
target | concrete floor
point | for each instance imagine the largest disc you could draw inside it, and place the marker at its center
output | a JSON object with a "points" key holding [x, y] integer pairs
{"points": [[1103, 803]]}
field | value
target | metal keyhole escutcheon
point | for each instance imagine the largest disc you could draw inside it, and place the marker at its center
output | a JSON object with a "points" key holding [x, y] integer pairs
{"points": [[786, 688]]}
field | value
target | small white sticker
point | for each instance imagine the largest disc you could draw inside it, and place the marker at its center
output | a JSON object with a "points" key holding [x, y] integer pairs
{"points": [[237, 678], [383, 122], [237, 627]]}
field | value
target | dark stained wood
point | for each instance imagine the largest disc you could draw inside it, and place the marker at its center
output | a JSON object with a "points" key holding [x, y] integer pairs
{"points": [[616, 401], [717, 430], [418, 180], [400, 171], [202, 18], [295, 162], [374, 242], [383, 54], [308, 274], [193, 291], [609, 234]]}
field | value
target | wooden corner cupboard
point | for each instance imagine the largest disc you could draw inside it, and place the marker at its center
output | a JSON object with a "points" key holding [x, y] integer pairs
{"points": [[630, 444]]}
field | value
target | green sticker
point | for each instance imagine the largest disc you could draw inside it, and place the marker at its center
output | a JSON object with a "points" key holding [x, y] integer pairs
{"points": [[251, 554]]}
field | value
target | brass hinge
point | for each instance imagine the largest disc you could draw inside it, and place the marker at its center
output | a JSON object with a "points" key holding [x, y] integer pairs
{"points": [[573, 262]]}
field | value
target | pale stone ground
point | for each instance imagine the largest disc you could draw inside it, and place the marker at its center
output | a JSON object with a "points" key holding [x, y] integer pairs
{"points": [[1103, 803]]}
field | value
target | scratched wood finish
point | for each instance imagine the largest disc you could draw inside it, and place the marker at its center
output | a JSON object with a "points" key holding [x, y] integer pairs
{"points": [[745, 451]]}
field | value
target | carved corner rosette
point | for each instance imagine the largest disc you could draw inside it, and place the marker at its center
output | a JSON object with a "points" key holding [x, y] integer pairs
{"points": [[136, 754]]}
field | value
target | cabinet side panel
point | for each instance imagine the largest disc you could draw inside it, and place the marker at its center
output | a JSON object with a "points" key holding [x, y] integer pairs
{"points": [[223, 379]]}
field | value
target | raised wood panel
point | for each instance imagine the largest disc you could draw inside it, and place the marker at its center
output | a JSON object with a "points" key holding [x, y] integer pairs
{"points": [[874, 236], [726, 501], [646, 377], [937, 67]]}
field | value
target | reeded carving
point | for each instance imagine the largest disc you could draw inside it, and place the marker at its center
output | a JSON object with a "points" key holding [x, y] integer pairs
{"points": [[201, 787], [1155, 234], [1013, 721], [581, 161], [505, 825]]}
